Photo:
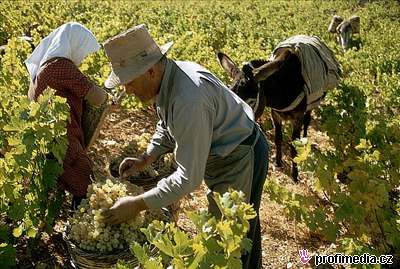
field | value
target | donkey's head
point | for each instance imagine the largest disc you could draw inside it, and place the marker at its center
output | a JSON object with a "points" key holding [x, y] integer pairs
{"points": [[344, 29], [245, 82]]}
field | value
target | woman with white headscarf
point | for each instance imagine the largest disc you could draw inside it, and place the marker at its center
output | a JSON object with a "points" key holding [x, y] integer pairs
{"points": [[54, 63]]}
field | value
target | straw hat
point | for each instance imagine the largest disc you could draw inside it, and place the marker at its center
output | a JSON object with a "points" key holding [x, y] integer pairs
{"points": [[131, 54]]}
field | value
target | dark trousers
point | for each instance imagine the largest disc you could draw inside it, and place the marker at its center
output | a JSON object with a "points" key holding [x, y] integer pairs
{"points": [[253, 259], [76, 201]]}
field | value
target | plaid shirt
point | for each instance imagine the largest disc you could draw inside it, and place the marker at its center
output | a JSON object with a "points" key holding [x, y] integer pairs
{"points": [[64, 77]]}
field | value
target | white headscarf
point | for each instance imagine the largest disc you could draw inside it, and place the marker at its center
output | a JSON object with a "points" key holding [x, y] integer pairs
{"points": [[71, 40]]}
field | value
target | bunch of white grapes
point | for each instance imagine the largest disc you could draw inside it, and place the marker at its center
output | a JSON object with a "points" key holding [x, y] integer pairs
{"points": [[91, 234]]}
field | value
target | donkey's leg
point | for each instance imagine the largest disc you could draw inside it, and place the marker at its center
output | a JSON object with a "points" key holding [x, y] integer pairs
{"points": [[297, 123], [278, 137], [306, 122]]}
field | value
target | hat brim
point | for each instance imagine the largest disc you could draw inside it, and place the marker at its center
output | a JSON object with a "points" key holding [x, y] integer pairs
{"points": [[122, 78]]}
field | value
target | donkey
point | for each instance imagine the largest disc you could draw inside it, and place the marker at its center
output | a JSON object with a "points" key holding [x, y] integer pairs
{"points": [[344, 29], [278, 84]]}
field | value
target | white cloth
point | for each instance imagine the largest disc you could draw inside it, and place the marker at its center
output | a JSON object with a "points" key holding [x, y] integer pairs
{"points": [[320, 70], [71, 40]]}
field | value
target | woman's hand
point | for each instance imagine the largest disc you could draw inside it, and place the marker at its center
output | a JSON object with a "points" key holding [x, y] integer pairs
{"points": [[96, 96], [124, 209]]}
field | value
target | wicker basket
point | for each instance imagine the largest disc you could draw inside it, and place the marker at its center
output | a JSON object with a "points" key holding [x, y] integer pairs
{"points": [[92, 120], [145, 183], [87, 260], [93, 117], [83, 259]]}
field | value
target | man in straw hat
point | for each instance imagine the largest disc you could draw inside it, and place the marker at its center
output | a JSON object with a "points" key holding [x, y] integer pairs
{"points": [[210, 130]]}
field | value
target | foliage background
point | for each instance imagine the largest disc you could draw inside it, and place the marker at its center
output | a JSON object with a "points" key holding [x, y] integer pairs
{"points": [[356, 177]]}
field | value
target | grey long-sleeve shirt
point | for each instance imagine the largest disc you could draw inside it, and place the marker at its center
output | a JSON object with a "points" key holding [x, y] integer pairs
{"points": [[199, 118]]}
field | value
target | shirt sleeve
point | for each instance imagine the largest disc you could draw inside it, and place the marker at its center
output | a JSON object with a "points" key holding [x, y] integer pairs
{"points": [[192, 129], [64, 75], [161, 142]]}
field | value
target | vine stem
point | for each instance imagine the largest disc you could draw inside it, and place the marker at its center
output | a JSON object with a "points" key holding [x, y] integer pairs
{"points": [[380, 228]]}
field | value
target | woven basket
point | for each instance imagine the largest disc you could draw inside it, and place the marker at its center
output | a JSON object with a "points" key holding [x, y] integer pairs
{"points": [[93, 117], [83, 259], [92, 120], [87, 260], [145, 183]]}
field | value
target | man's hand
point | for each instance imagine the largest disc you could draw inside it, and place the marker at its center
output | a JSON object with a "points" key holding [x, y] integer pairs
{"points": [[124, 209], [131, 166]]}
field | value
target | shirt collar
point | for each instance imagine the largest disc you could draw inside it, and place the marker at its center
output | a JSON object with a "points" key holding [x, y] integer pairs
{"points": [[162, 94]]}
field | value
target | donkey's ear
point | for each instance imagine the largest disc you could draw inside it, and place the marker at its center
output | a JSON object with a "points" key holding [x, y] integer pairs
{"points": [[266, 70], [355, 23], [336, 20], [228, 65]]}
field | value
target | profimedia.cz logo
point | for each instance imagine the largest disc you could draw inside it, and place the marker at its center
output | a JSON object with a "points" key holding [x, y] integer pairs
{"points": [[341, 259]]}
